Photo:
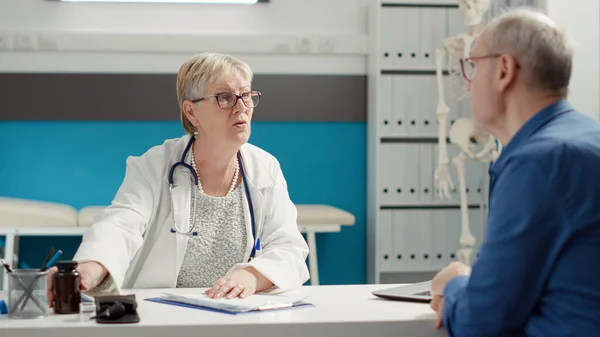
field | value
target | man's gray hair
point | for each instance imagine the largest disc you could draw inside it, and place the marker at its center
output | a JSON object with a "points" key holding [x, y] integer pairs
{"points": [[542, 49]]}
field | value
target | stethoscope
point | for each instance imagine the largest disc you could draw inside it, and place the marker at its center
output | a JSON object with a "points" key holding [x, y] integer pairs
{"points": [[191, 232]]}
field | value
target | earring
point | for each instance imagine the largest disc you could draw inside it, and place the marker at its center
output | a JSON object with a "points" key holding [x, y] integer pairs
{"points": [[196, 134]]}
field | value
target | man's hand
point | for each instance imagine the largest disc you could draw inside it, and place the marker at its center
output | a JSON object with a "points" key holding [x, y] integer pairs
{"points": [[444, 276], [437, 304], [438, 284], [241, 282], [91, 274]]}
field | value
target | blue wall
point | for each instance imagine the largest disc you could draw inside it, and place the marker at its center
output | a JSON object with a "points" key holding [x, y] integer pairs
{"points": [[83, 163]]}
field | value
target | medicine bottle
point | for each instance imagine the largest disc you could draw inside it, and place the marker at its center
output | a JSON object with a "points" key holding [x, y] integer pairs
{"points": [[67, 292]]}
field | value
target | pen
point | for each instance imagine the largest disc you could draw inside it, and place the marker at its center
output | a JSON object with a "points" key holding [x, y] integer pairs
{"points": [[6, 266], [257, 247], [52, 260], [87, 298], [48, 257]]}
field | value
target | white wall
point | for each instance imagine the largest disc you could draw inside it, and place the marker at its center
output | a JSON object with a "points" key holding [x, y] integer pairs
{"points": [[291, 18], [270, 37], [278, 16], [581, 22]]}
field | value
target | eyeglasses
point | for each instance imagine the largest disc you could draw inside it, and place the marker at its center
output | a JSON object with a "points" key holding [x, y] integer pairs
{"points": [[467, 65], [227, 100]]}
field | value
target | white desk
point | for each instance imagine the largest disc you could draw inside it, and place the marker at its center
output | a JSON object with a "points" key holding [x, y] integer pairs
{"points": [[339, 311]]}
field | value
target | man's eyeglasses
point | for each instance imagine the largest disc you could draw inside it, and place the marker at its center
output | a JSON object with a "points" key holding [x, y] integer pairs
{"points": [[227, 100], [467, 65]]}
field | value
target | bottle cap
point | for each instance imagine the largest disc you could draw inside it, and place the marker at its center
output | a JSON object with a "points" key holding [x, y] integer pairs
{"points": [[66, 265], [3, 308]]}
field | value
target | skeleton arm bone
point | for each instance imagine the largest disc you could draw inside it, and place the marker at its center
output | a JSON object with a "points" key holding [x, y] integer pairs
{"points": [[443, 180], [467, 240], [442, 109]]}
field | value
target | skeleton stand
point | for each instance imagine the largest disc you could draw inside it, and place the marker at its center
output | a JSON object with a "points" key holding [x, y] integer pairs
{"points": [[462, 131]]}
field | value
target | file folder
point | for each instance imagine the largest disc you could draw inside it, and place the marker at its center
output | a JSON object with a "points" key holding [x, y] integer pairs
{"points": [[232, 306]]}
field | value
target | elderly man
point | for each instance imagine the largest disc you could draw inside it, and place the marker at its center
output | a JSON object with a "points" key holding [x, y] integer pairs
{"points": [[538, 272]]}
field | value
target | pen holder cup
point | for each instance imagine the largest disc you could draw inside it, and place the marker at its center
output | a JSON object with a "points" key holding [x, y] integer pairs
{"points": [[27, 294]]}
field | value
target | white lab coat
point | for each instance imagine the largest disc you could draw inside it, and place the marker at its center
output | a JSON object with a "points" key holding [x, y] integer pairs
{"points": [[132, 237]]}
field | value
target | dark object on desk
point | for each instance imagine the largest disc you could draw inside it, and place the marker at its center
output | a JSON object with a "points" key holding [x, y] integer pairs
{"points": [[116, 309], [67, 291], [418, 292]]}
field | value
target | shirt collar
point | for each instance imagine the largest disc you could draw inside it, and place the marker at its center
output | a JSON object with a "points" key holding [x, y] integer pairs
{"points": [[528, 129]]}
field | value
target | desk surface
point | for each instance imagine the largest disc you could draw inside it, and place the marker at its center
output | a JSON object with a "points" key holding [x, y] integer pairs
{"points": [[349, 310]]}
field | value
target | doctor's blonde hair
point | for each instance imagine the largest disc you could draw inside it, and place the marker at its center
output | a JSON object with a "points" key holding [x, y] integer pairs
{"points": [[201, 71]]}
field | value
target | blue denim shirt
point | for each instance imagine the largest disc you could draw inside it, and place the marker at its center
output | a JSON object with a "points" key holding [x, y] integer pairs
{"points": [[538, 270]]}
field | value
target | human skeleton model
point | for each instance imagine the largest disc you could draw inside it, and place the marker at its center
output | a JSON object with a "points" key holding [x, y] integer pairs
{"points": [[462, 132]]}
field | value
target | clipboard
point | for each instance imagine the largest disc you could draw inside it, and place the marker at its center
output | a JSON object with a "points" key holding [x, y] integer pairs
{"points": [[233, 310]]}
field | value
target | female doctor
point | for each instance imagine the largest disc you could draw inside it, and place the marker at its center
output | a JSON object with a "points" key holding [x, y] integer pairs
{"points": [[206, 210]]}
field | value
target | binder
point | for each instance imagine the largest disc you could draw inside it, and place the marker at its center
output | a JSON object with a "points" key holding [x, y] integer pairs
{"points": [[411, 182], [385, 170], [440, 30], [399, 106], [397, 171], [411, 240], [409, 41], [426, 173], [388, 35], [426, 28], [438, 235], [452, 234], [254, 303], [424, 106], [432, 31], [386, 119], [428, 106], [385, 239], [423, 234], [401, 245], [412, 97]]}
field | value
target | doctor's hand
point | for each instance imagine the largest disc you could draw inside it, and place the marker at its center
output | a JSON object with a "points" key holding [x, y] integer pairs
{"points": [[91, 274], [240, 282]]}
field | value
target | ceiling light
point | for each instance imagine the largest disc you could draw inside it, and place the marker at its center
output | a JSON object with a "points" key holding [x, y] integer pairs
{"points": [[176, 1]]}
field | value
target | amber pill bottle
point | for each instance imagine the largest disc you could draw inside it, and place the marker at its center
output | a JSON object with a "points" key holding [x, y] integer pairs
{"points": [[67, 292]]}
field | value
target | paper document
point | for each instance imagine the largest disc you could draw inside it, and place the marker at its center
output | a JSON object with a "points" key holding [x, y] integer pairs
{"points": [[251, 303]]}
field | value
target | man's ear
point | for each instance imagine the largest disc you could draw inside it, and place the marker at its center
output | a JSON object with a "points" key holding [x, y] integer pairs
{"points": [[507, 72]]}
